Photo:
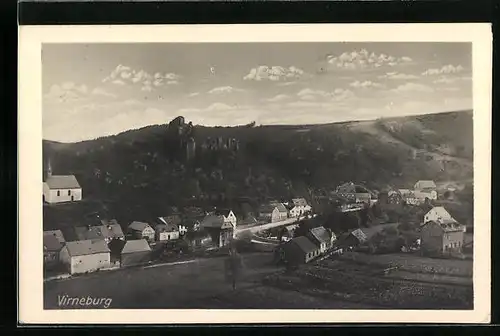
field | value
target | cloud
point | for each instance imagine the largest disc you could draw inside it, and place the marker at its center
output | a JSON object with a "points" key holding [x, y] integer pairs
{"points": [[194, 94], [118, 82], [397, 75], [224, 90], [278, 98], [101, 92], [447, 69], [274, 73], [450, 80], [123, 75], [89, 120], [147, 88], [70, 92], [286, 83], [335, 95], [412, 87], [365, 85], [363, 59]]}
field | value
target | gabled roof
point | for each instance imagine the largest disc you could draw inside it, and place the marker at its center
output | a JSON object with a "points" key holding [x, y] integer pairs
{"points": [[304, 244], [223, 212], [56, 233], [212, 221], [347, 187], [441, 212], [266, 208], [166, 224], [291, 228], [281, 208], [62, 182], [86, 247], [139, 245], [446, 226], [138, 226], [320, 234], [359, 235], [114, 229], [92, 232], [425, 184], [51, 243], [171, 223], [299, 202]]}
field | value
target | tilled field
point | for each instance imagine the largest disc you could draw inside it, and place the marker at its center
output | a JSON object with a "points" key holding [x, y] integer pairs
{"points": [[363, 283], [412, 263]]}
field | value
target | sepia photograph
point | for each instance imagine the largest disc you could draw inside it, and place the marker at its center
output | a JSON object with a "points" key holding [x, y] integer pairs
{"points": [[260, 175]]}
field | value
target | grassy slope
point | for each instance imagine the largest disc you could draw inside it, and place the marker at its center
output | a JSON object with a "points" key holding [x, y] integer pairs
{"points": [[138, 179]]}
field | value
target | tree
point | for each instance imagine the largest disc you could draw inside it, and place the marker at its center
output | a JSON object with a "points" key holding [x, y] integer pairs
{"points": [[234, 266]]}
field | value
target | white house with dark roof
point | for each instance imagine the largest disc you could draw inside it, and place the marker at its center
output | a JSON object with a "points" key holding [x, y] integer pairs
{"points": [[322, 238], [437, 214], [298, 207], [61, 188], [84, 256], [140, 230], [425, 185]]}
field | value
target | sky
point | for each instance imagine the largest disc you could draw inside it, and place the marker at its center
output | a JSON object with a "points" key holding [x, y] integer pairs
{"points": [[93, 90]]}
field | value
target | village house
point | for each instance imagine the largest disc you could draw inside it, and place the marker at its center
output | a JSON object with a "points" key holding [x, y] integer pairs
{"points": [[322, 238], [228, 215], [437, 214], [53, 242], [299, 250], [140, 230], [166, 229], [269, 213], [107, 232], [61, 188], [408, 197], [221, 231], [85, 256], [287, 233], [283, 211], [135, 252], [354, 238], [114, 229], [394, 197], [354, 193], [441, 237], [298, 207], [425, 185]]}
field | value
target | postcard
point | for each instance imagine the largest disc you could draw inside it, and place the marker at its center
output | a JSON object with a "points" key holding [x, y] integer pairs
{"points": [[319, 173]]}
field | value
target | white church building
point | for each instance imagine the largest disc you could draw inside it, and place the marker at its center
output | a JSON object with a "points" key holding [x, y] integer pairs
{"points": [[61, 188]]}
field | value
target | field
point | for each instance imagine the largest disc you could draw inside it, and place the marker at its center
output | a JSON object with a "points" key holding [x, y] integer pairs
{"points": [[417, 283], [200, 284], [354, 281]]}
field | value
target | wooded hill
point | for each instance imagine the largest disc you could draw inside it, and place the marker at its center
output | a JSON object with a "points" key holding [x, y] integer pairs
{"points": [[140, 173]]}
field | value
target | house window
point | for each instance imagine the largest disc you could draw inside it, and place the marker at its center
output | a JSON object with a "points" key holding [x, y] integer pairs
{"points": [[59, 193], [69, 192]]}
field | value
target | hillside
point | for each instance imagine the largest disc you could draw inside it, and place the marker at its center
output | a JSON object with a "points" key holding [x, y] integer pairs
{"points": [[140, 172]]}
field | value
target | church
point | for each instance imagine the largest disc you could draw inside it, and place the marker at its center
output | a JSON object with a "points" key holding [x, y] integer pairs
{"points": [[61, 188]]}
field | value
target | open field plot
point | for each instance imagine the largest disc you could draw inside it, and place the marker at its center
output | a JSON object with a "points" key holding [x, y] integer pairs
{"points": [[366, 283], [413, 263]]}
